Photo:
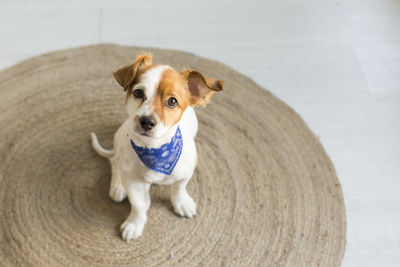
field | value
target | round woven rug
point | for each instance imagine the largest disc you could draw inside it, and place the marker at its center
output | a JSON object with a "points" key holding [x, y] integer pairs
{"points": [[266, 191]]}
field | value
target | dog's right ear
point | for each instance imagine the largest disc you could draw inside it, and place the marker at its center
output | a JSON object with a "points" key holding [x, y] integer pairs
{"points": [[125, 76]]}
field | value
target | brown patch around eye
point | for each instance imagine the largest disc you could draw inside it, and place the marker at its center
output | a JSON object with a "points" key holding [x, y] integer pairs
{"points": [[171, 85], [138, 76]]}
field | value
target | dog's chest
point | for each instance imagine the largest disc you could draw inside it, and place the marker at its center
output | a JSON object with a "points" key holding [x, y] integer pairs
{"points": [[133, 168], [158, 178]]}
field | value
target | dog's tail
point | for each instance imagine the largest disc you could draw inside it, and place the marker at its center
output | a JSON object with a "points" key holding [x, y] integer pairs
{"points": [[97, 147]]}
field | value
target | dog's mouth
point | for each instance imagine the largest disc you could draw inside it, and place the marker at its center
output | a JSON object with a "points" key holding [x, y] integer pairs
{"points": [[146, 134], [142, 132]]}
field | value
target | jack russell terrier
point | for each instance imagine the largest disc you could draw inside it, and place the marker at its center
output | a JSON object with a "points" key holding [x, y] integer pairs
{"points": [[155, 145]]}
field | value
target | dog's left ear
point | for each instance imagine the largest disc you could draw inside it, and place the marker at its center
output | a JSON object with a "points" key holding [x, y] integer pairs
{"points": [[201, 88], [126, 75]]}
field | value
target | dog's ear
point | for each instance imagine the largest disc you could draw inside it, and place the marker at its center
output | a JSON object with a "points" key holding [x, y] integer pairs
{"points": [[126, 75], [201, 88]]}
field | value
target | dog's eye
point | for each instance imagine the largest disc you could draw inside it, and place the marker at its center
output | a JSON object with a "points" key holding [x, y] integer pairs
{"points": [[172, 102], [138, 93]]}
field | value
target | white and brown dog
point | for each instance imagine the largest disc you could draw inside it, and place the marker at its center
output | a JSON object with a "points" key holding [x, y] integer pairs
{"points": [[155, 145]]}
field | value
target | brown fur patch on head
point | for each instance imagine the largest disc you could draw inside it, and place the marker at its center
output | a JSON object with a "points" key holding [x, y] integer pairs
{"points": [[172, 84], [127, 75], [139, 73]]}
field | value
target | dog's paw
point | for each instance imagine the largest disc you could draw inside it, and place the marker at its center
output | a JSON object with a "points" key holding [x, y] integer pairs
{"points": [[131, 230], [117, 193], [184, 206]]}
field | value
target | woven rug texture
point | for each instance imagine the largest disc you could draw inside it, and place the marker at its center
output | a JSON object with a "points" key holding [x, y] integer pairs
{"points": [[267, 193]]}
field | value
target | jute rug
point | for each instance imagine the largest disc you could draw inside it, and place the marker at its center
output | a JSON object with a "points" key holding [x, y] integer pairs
{"points": [[266, 191]]}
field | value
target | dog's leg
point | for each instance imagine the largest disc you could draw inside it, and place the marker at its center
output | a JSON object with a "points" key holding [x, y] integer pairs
{"points": [[117, 191], [183, 204], [139, 197]]}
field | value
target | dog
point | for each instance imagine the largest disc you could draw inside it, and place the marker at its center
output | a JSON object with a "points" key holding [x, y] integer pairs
{"points": [[155, 144]]}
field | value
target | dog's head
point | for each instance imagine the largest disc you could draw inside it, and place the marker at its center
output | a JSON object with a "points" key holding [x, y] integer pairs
{"points": [[157, 95]]}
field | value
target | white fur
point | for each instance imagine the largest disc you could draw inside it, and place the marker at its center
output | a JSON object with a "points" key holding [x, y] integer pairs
{"points": [[148, 82], [130, 177], [101, 151]]}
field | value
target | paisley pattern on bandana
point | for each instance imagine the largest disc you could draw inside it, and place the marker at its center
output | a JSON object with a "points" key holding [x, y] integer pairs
{"points": [[161, 159]]}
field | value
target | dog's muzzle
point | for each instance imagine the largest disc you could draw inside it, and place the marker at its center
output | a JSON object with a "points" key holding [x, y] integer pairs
{"points": [[147, 122]]}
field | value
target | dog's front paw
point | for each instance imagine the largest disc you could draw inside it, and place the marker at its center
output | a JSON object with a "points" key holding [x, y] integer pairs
{"points": [[184, 206], [131, 230], [117, 193]]}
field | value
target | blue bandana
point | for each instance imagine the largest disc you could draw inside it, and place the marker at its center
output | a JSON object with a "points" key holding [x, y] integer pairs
{"points": [[161, 159]]}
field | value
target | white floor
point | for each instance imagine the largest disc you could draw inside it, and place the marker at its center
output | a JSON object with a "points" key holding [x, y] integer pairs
{"points": [[336, 62]]}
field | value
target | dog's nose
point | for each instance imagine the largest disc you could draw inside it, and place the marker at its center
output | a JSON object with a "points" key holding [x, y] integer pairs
{"points": [[147, 122]]}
